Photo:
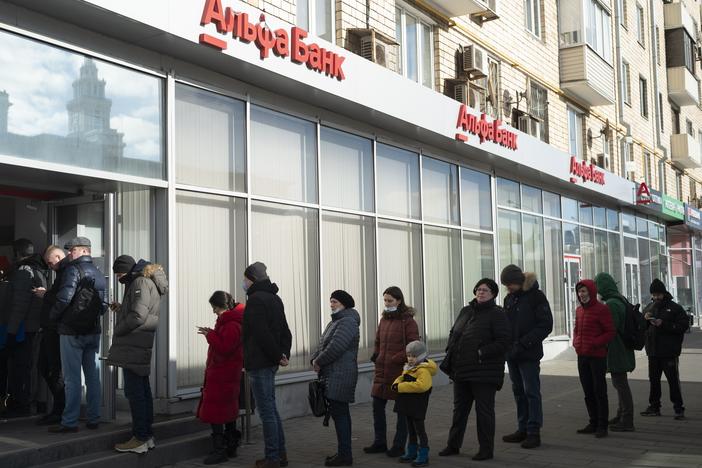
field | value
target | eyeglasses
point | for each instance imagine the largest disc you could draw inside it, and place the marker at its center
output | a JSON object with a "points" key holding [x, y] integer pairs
{"points": [[483, 290]]}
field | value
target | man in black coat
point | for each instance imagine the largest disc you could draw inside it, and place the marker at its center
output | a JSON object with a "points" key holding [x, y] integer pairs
{"points": [[667, 324], [531, 321]]}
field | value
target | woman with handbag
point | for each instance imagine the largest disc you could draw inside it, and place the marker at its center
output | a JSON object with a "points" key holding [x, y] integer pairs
{"points": [[397, 328], [336, 364], [219, 405], [475, 361]]}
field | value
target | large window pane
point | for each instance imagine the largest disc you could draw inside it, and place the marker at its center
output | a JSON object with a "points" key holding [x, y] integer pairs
{"points": [[628, 223], [552, 204], [630, 249], [570, 209], [68, 108], [552, 284], [509, 225], [347, 170], [398, 182], [681, 269], [531, 199], [443, 277], [440, 189], [600, 218], [533, 237], [323, 20], [348, 263], [571, 239], [508, 193], [427, 65], [642, 226], [219, 223], [478, 261], [612, 220], [587, 250], [645, 270], [615, 259], [283, 156], [411, 46], [210, 141], [286, 239], [585, 213], [476, 200], [601, 252]]}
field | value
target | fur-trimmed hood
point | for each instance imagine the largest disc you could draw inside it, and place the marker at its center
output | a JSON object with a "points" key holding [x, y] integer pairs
{"points": [[530, 281], [152, 271]]}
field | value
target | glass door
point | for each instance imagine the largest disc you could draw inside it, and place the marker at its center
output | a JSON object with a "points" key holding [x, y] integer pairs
{"points": [[631, 278], [572, 276]]}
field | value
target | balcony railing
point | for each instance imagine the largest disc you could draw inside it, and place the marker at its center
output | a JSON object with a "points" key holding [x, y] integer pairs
{"points": [[685, 151], [586, 75], [683, 88]]}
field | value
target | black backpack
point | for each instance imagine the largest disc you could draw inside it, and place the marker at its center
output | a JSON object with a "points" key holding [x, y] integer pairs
{"points": [[85, 309], [635, 326]]}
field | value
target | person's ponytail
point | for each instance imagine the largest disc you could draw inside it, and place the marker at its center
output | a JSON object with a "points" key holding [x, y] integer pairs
{"points": [[222, 300]]}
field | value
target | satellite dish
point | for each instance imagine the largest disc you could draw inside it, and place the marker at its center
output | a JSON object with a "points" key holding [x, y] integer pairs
{"points": [[589, 138]]}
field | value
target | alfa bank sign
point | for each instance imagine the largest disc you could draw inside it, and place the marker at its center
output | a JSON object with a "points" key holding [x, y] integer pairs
{"points": [[281, 42], [586, 172], [484, 130]]}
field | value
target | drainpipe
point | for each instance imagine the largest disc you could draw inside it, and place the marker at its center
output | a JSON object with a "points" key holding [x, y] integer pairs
{"points": [[620, 97], [368, 9], [654, 75]]}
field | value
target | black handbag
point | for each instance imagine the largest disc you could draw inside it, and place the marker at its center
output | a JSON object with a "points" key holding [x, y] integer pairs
{"points": [[317, 398]]}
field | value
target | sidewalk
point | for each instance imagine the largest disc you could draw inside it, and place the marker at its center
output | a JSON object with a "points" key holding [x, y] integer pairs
{"points": [[657, 442]]}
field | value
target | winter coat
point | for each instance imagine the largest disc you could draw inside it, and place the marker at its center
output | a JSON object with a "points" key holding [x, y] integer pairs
{"points": [[50, 297], [395, 331], [478, 343], [666, 341], [530, 319], [137, 318], [70, 279], [337, 355], [619, 357], [414, 388], [24, 305], [267, 336], [594, 327], [219, 403]]}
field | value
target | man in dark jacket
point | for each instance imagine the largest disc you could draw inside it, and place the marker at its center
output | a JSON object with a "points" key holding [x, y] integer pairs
{"points": [[531, 321], [667, 324], [267, 343], [79, 348], [29, 272], [133, 340]]}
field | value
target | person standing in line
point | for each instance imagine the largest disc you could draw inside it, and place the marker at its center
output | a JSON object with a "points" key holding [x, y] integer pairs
{"points": [[336, 363], [219, 405], [475, 361], [397, 328], [267, 343], [667, 324], [531, 321], [594, 329], [620, 359], [133, 340]]}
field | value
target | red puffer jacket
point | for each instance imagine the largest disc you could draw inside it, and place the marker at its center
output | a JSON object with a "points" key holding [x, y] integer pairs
{"points": [[395, 331], [594, 327], [225, 358]]}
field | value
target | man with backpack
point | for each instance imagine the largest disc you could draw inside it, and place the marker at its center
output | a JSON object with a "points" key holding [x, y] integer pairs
{"points": [[620, 357], [80, 302]]}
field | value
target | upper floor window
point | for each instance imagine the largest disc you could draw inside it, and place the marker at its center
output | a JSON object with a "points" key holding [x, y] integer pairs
{"points": [[317, 17], [595, 20], [640, 25], [414, 34], [661, 176], [532, 16], [643, 96], [599, 30], [538, 102], [679, 49], [689, 127], [626, 82], [575, 133]]}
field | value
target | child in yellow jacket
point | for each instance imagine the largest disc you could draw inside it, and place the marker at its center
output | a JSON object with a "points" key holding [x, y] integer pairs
{"points": [[413, 388]]}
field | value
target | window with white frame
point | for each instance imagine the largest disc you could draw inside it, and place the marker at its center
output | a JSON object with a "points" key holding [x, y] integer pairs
{"points": [[661, 176], [622, 11], [648, 173], [643, 96], [575, 129], [660, 112], [626, 82], [538, 104], [640, 24], [317, 17], [699, 136], [532, 16], [598, 29], [414, 34]]}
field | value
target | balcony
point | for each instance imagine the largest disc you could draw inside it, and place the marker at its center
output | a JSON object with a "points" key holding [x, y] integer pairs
{"points": [[481, 10], [586, 76], [685, 151], [676, 16], [682, 86]]}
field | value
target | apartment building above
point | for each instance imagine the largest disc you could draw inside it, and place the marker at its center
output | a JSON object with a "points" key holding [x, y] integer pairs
{"points": [[681, 50], [479, 10]]}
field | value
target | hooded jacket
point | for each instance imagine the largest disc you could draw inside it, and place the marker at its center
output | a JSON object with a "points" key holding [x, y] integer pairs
{"points": [[413, 388], [530, 319], [137, 318], [666, 341], [594, 327], [619, 357], [24, 306], [50, 296], [337, 355]]}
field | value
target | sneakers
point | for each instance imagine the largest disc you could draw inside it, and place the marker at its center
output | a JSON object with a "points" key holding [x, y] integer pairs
{"points": [[61, 429], [448, 451], [336, 460], [532, 441], [151, 443], [395, 452], [133, 445], [376, 448], [515, 437], [589, 429], [480, 456], [679, 415], [651, 411], [621, 427], [601, 433]]}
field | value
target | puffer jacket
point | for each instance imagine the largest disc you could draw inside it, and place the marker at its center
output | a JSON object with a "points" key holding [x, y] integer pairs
{"points": [[413, 389], [478, 343], [530, 319], [395, 331], [594, 327], [666, 341], [50, 297], [24, 305], [619, 357], [137, 318], [337, 355]]}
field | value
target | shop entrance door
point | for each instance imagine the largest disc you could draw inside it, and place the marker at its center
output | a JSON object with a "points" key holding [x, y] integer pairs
{"points": [[572, 276], [631, 278]]}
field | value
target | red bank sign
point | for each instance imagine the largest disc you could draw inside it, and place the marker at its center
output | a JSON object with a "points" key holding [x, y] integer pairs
{"points": [[281, 42], [585, 171], [485, 130]]}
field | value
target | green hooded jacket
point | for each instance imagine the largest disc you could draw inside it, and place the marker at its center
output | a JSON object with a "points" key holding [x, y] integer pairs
{"points": [[619, 357]]}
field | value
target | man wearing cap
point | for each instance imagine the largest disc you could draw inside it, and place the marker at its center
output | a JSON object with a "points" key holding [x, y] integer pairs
{"points": [[78, 349], [667, 324], [267, 343]]}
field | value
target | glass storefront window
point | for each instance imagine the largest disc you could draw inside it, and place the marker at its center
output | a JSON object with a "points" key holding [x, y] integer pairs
{"points": [[679, 239], [509, 226], [571, 239], [440, 191], [553, 287], [478, 261], [641, 226], [587, 250], [628, 223], [630, 249], [552, 204], [585, 213], [569, 209], [615, 259], [645, 271], [652, 230], [599, 217], [655, 260], [398, 182], [533, 245], [476, 200], [531, 199], [612, 220], [508, 193]]}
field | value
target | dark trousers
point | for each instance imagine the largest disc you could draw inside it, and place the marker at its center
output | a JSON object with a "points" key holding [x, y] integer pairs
{"points": [[380, 425], [464, 393], [137, 389], [526, 386], [417, 432], [669, 367], [19, 372], [625, 407], [339, 411], [219, 428], [593, 372], [49, 365]]}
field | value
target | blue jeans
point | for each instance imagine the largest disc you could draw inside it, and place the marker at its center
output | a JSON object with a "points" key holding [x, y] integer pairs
{"points": [[137, 389], [380, 425], [526, 387], [76, 352], [339, 411], [263, 387]]}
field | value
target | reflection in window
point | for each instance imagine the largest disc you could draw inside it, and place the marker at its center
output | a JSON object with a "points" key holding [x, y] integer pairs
{"points": [[533, 245], [398, 182], [440, 190], [476, 200], [615, 257], [531, 199], [571, 239], [416, 47], [317, 17], [570, 209], [478, 261], [645, 270], [508, 193], [553, 287], [509, 227], [552, 204], [587, 251]]}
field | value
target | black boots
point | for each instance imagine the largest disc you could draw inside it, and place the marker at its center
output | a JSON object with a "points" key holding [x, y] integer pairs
{"points": [[232, 438], [219, 450]]}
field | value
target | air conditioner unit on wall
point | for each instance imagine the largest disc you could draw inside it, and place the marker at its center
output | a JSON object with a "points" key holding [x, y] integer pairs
{"points": [[475, 62], [476, 97], [461, 92], [603, 160], [370, 44]]}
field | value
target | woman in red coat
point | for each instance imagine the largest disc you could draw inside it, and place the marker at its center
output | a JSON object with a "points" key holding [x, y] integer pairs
{"points": [[219, 404], [594, 329]]}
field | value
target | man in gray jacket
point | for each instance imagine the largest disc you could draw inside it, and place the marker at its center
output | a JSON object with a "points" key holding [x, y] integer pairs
{"points": [[133, 340]]}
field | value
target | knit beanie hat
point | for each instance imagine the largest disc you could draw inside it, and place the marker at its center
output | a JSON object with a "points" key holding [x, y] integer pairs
{"points": [[123, 264], [256, 272], [657, 287], [512, 274], [343, 297], [490, 284]]}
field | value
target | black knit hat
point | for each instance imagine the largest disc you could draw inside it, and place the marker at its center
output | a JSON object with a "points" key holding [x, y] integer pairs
{"points": [[343, 297], [123, 264], [256, 272], [657, 287], [490, 284], [512, 274]]}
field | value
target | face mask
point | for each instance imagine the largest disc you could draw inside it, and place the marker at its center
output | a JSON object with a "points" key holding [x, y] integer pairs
{"points": [[244, 285], [390, 309]]}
